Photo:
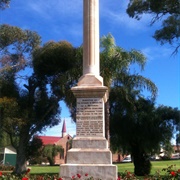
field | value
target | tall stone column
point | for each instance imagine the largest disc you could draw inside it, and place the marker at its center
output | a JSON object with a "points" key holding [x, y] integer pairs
{"points": [[91, 37], [90, 153], [91, 75]]}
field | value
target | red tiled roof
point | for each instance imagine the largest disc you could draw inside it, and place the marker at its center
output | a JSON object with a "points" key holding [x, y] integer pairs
{"points": [[49, 139]]}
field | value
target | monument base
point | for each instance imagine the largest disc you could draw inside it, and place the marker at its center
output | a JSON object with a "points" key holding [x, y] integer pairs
{"points": [[89, 155], [97, 171]]}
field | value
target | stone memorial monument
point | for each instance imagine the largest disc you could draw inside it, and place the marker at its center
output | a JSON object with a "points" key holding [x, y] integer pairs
{"points": [[90, 153]]}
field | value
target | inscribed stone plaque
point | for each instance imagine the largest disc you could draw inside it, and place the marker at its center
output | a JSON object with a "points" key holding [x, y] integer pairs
{"points": [[90, 112]]}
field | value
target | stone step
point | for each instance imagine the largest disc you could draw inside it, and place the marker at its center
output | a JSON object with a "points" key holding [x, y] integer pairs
{"points": [[97, 171], [90, 142], [89, 156]]}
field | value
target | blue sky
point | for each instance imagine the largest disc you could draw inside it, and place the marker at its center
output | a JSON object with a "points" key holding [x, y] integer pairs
{"points": [[62, 20]]}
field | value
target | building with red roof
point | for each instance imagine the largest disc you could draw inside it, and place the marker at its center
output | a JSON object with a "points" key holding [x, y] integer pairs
{"points": [[58, 140]]}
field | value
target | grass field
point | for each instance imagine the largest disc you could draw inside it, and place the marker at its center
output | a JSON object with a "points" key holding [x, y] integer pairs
{"points": [[122, 167], [156, 165]]}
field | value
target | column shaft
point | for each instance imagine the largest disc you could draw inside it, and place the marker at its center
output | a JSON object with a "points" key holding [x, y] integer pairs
{"points": [[91, 37]]}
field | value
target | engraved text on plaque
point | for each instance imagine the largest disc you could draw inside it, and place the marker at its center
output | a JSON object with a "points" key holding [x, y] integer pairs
{"points": [[89, 116]]}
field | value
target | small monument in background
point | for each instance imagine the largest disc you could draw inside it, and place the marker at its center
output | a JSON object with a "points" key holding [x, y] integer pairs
{"points": [[90, 153]]}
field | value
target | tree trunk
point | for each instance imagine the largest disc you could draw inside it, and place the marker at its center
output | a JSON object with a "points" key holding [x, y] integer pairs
{"points": [[142, 164], [20, 161], [21, 155]]}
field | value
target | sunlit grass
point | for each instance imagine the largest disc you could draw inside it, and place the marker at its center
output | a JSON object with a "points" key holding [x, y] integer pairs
{"points": [[122, 167], [44, 169], [156, 166]]}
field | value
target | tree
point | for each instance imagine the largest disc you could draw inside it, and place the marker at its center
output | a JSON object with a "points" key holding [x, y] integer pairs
{"points": [[4, 4], [28, 109], [115, 68], [16, 47], [22, 117], [168, 10], [35, 150], [61, 83], [115, 62], [53, 58], [47, 63], [50, 151], [140, 128]]}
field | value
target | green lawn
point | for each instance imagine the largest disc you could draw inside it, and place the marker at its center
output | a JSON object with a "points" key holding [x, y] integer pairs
{"points": [[44, 169], [122, 167], [156, 165]]}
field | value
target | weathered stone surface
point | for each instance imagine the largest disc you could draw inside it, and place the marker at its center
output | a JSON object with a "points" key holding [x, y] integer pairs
{"points": [[90, 153], [90, 80], [90, 92], [90, 142], [89, 156], [91, 37], [100, 171]]}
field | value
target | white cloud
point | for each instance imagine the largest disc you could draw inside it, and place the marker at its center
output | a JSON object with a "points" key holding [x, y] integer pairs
{"points": [[55, 9], [116, 14], [155, 53]]}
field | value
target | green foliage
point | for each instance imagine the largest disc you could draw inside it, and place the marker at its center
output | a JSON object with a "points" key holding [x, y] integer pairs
{"points": [[60, 65], [31, 111], [8, 86], [114, 59], [168, 149], [50, 151], [115, 64], [6, 167], [169, 33], [4, 4], [4, 139], [53, 58], [140, 128], [35, 150], [16, 46], [167, 9], [32, 108], [115, 69]]}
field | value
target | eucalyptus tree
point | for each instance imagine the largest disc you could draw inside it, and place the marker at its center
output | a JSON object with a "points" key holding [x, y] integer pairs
{"points": [[4, 4], [24, 115], [166, 11], [16, 47], [25, 109], [60, 65], [8, 95]]}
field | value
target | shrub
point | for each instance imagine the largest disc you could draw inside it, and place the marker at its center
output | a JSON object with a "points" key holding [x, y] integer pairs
{"points": [[6, 167], [171, 173]]}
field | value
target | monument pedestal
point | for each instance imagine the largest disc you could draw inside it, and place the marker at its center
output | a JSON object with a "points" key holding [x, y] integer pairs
{"points": [[89, 153], [98, 171]]}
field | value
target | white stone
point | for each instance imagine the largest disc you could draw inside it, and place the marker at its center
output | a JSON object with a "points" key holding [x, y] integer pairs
{"points": [[108, 172], [89, 156], [90, 153], [90, 142], [91, 37]]}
